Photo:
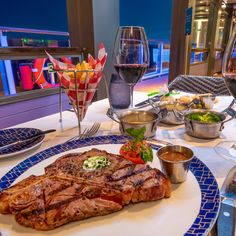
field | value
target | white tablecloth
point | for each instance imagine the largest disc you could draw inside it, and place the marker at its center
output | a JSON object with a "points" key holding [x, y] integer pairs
{"points": [[203, 149]]}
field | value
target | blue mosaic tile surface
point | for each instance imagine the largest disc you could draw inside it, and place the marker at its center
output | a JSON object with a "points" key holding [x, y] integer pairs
{"points": [[8, 136], [210, 196]]}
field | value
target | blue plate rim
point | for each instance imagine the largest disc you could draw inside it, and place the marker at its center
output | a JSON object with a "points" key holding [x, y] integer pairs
{"points": [[210, 195], [27, 147]]}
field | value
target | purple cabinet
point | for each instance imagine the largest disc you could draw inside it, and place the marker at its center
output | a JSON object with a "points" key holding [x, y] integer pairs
{"points": [[16, 113]]}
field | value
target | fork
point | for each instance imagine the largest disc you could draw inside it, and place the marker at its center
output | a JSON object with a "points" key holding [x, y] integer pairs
{"points": [[93, 130], [87, 132]]}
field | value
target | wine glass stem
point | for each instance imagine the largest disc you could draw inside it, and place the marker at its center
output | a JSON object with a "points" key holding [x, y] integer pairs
{"points": [[131, 91]]}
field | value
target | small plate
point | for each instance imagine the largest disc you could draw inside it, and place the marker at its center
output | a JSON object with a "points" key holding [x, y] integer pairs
{"points": [[8, 136]]}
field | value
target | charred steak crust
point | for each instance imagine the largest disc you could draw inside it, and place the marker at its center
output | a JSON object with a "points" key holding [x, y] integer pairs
{"points": [[5, 195], [67, 192], [61, 200], [72, 164]]}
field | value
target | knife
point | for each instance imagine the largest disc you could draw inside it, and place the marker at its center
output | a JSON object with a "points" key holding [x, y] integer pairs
{"points": [[26, 139], [158, 142], [227, 215], [146, 103]]}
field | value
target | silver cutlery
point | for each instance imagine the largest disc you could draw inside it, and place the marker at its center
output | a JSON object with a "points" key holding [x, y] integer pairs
{"points": [[227, 216], [158, 142], [93, 130], [87, 132], [27, 139], [146, 102], [151, 102]]}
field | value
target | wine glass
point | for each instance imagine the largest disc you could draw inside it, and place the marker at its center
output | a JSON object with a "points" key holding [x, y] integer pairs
{"points": [[228, 148], [131, 55]]}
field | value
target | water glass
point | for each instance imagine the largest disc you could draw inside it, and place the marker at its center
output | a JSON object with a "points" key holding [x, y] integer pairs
{"points": [[119, 93]]}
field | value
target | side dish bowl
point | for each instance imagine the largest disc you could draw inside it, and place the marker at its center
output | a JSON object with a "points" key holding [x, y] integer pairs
{"points": [[206, 125], [175, 111], [137, 119]]}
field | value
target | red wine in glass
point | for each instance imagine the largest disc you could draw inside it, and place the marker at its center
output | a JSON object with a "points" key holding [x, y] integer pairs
{"points": [[131, 73], [131, 55]]}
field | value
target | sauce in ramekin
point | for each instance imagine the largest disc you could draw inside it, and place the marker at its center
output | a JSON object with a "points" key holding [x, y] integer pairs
{"points": [[174, 156]]}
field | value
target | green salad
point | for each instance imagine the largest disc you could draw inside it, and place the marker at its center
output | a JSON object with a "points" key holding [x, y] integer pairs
{"points": [[205, 117]]}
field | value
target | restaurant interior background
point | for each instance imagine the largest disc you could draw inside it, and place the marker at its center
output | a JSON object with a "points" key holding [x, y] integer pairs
{"points": [[62, 26]]}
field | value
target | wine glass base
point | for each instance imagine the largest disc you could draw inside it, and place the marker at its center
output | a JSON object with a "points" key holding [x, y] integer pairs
{"points": [[227, 149]]}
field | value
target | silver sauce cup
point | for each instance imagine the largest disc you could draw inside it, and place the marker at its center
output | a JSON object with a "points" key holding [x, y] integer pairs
{"points": [[175, 170]]}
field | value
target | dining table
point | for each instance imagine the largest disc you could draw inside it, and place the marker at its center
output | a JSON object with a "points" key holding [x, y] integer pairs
{"points": [[66, 129]]}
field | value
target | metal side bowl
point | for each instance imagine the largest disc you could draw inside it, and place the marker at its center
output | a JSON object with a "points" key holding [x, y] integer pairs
{"points": [[137, 119], [175, 111], [205, 130]]}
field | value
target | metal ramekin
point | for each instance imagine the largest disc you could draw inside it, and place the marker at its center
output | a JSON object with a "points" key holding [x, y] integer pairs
{"points": [[175, 170]]}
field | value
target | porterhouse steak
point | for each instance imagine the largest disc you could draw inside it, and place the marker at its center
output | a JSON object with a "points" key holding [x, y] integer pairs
{"points": [[67, 192]]}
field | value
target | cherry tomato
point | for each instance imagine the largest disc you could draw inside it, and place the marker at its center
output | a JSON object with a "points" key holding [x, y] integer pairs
{"points": [[131, 153]]}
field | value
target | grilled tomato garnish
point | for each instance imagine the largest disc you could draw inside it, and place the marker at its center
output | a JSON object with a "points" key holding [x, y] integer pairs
{"points": [[137, 150]]}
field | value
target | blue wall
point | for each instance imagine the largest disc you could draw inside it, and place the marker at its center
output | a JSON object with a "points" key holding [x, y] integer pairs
{"points": [[153, 15], [42, 14]]}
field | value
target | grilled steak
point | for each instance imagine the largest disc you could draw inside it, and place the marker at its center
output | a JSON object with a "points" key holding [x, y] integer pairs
{"points": [[72, 165], [68, 193], [6, 195], [55, 201]]}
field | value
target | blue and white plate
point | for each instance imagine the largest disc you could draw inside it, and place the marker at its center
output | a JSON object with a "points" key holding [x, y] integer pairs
{"points": [[8, 136], [191, 210]]}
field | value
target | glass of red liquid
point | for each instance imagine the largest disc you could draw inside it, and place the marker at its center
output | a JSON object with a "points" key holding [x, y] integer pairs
{"points": [[131, 55]]}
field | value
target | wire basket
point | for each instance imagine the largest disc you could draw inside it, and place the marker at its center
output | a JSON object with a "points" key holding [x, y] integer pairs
{"points": [[80, 81], [84, 98], [80, 92]]}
